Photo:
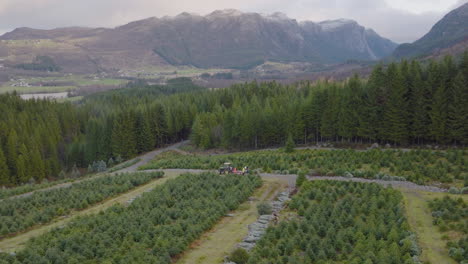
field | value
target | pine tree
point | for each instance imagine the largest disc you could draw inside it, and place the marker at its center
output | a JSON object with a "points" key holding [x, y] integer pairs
{"points": [[145, 140], [438, 114], [12, 153], [378, 94], [396, 108], [420, 118], [458, 111], [289, 146], [37, 165], [329, 117], [4, 172], [21, 170]]}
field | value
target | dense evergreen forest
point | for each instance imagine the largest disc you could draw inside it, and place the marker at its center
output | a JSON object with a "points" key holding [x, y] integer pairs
{"points": [[401, 104]]}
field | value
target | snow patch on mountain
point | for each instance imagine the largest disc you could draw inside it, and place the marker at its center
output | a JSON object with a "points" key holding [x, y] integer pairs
{"points": [[331, 25]]}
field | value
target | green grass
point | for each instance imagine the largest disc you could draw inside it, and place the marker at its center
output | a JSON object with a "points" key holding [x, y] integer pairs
{"points": [[35, 89], [18, 242], [75, 82], [420, 219], [70, 99], [222, 238], [124, 165]]}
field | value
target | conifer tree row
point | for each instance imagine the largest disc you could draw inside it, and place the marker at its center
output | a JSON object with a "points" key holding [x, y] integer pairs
{"points": [[401, 104]]}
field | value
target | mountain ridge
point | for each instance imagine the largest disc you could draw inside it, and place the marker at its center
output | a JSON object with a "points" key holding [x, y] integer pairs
{"points": [[450, 31], [223, 39]]}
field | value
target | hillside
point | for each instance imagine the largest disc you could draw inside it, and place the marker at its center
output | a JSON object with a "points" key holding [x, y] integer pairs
{"points": [[448, 36], [222, 39]]}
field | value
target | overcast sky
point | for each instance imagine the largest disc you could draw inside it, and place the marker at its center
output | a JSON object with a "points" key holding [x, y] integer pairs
{"points": [[399, 20]]}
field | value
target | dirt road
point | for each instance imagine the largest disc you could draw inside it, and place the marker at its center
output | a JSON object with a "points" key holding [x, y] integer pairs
{"points": [[145, 158]]}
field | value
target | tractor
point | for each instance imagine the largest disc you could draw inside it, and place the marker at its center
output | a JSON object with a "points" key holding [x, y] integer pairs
{"points": [[227, 168]]}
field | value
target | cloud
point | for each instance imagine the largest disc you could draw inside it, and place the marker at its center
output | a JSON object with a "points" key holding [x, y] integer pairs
{"points": [[399, 20]]}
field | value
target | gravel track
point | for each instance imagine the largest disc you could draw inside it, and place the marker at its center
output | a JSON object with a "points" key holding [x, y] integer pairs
{"points": [[290, 178], [145, 158]]}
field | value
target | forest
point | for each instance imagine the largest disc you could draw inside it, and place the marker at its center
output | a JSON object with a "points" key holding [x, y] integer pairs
{"points": [[402, 104], [19, 214], [153, 229], [419, 166], [340, 222]]}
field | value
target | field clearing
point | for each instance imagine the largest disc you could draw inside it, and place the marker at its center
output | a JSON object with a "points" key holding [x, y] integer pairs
{"points": [[64, 84], [222, 238], [35, 89], [18, 242], [70, 99], [419, 217]]}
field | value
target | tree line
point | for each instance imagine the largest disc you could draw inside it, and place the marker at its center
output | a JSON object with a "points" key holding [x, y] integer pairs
{"points": [[402, 104], [42, 139]]}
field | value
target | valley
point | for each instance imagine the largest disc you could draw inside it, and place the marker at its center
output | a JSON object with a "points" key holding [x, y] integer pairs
{"points": [[234, 136]]}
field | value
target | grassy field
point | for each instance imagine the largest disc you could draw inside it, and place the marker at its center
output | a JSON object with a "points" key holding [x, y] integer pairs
{"points": [[70, 99], [35, 89], [17, 242], [221, 240], [420, 219], [71, 81]]}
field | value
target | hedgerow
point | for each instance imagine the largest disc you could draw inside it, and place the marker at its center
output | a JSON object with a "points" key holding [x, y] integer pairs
{"points": [[18, 214], [420, 166], [452, 215]]}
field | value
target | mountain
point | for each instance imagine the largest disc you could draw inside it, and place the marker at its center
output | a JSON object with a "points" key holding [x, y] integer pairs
{"points": [[223, 39], [449, 35]]}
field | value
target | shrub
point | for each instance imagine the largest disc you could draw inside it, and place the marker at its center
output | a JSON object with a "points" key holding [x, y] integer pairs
{"points": [[300, 178], [239, 256], [454, 190], [264, 208]]}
